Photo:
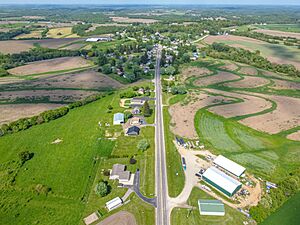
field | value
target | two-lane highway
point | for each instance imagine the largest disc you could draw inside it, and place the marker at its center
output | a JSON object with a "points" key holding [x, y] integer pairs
{"points": [[160, 160]]}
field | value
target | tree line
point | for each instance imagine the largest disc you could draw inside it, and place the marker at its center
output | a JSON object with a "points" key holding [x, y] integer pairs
{"points": [[275, 199], [222, 51]]}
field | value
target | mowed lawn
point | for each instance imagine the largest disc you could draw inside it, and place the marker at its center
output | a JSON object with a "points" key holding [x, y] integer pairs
{"points": [[269, 156], [288, 214], [67, 168], [181, 216]]}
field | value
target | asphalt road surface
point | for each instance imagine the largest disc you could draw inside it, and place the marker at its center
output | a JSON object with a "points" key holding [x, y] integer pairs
{"points": [[160, 160]]}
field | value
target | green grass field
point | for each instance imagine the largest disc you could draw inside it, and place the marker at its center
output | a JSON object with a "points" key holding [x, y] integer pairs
{"points": [[269, 50], [281, 27], [288, 214], [270, 156], [174, 169], [181, 216], [70, 168]]}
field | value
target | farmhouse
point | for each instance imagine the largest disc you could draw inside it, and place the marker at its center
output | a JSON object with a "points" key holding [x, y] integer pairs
{"points": [[118, 118], [114, 203], [119, 173], [133, 131], [211, 207], [230, 166], [222, 182]]}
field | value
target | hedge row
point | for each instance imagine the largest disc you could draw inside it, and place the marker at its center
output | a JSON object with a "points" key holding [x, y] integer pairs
{"points": [[44, 117]]}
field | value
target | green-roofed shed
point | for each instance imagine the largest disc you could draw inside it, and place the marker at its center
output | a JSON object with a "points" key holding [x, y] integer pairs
{"points": [[211, 207]]}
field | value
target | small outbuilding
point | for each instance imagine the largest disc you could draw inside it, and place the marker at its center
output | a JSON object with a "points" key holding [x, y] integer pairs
{"points": [[114, 203], [133, 131], [135, 121], [211, 207], [136, 111], [118, 118]]}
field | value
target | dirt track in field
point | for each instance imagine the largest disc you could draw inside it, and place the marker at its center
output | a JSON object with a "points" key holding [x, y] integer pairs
{"points": [[119, 218], [44, 66], [214, 79], [249, 82], [284, 117], [11, 113], [250, 104], [182, 121]]}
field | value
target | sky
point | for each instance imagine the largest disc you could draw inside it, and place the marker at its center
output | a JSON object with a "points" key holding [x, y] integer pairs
{"points": [[120, 2]]}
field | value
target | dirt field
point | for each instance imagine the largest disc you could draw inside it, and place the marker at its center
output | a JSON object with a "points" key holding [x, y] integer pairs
{"points": [[211, 39], [11, 113], [194, 71], [17, 46], [132, 20], [44, 66], [183, 115], [214, 79], [286, 115], [9, 80], [294, 136], [248, 71], [75, 46], [278, 33], [89, 79], [248, 82], [282, 84], [120, 218], [229, 66], [45, 95], [250, 105]]}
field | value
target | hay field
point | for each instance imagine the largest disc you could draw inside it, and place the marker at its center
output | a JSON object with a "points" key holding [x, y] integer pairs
{"points": [[32, 34], [279, 54], [51, 65], [61, 32], [12, 112], [119, 19]]}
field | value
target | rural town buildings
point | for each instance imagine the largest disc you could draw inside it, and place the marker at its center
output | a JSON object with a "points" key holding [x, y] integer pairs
{"points": [[230, 166]]}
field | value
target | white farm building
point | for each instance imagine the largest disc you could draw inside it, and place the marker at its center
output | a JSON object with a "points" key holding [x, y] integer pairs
{"points": [[221, 181], [114, 203], [118, 118], [230, 166]]}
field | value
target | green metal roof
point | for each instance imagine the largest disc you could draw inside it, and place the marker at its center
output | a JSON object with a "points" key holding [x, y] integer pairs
{"points": [[211, 206]]}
